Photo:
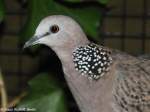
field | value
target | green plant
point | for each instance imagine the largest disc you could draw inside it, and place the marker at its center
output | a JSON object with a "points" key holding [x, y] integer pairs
{"points": [[2, 12], [44, 95]]}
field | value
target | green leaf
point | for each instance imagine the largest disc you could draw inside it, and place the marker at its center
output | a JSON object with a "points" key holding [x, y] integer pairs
{"points": [[44, 95], [77, 1], [88, 16], [103, 1], [73, 0], [1, 10]]}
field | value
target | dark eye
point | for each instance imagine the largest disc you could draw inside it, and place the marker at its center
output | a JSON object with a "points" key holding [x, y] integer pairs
{"points": [[54, 28]]}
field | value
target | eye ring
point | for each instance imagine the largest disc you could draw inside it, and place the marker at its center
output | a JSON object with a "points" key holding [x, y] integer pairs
{"points": [[54, 28]]}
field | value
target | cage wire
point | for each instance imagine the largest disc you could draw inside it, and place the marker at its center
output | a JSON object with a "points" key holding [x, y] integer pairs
{"points": [[125, 27]]}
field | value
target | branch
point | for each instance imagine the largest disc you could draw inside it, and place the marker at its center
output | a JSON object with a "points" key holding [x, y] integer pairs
{"points": [[3, 94], [16, 100]]}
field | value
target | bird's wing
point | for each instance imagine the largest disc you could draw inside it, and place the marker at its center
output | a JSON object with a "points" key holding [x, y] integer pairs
{"points": [[132, 87]]}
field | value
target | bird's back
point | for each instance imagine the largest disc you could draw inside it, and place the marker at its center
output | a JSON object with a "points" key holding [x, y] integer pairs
{"points": [[132, 84]]}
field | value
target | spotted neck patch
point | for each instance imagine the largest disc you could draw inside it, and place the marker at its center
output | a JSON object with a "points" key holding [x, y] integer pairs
{"points": [[92, 60]]}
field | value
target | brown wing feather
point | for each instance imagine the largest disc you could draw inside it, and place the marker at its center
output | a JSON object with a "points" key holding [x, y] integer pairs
{"points": [[132, 87]]}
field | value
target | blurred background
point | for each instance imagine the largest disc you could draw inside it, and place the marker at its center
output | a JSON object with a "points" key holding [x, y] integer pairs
{"points": [[119, 24]]}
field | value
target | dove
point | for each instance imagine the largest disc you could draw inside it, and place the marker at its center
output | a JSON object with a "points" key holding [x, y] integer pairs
{"points": [[101, 79]]}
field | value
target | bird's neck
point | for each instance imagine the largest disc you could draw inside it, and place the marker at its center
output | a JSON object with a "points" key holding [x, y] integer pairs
{"points": [[65, 53], [84, 90], [90, 95]]}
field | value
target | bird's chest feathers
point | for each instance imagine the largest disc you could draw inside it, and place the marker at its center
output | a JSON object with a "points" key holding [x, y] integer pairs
{"points": [[92, 61]]}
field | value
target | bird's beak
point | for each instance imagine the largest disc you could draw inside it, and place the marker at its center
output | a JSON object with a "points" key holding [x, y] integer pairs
{"points": [[34, 40]]}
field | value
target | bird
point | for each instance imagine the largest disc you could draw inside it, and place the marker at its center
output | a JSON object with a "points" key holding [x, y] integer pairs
{"points": [[100, 78]]}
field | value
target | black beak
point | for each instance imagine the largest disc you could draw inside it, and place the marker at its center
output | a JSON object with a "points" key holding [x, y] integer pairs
{"points": [[34, 40]]}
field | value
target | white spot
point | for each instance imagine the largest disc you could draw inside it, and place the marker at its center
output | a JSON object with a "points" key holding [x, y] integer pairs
{"points": [[107, 69], [95, 76], [93, 67], [102, 64], [104, 58], [102, 74], [90, 72], [108, 64], [90, 78], [105, 63], [82, 74], [96, 64], [99, 70]]}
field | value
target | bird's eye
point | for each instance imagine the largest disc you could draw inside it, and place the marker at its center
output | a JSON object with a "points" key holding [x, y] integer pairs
{"points": [[54, 28]]}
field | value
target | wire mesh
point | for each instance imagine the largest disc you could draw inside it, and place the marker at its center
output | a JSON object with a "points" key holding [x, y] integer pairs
{"points": [[126, 26]]}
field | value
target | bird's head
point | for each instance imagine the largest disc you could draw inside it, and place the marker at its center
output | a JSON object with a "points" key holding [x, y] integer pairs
{"points": [[57, 31]]}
